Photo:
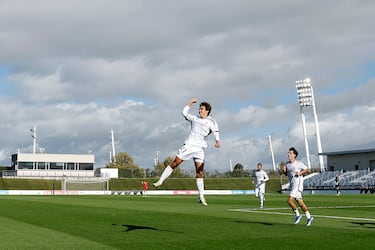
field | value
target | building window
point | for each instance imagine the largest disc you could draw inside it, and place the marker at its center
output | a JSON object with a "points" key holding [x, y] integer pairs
{"points": [[25, 165], [56, 165], [69, 166], [86, 166], [41, 165]]}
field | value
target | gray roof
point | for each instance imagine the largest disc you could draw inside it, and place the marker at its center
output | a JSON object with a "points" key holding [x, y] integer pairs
{"points": [[359, 151]]}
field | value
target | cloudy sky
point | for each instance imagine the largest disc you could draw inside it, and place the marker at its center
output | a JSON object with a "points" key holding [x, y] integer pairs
{"points": [[79, 69]]}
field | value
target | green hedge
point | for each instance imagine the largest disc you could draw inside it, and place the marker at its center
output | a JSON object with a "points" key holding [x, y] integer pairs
{"points": [[273, 186], [28, 184]]}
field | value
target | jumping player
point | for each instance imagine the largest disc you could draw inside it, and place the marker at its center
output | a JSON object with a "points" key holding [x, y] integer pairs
{"points": [[193, 148]]}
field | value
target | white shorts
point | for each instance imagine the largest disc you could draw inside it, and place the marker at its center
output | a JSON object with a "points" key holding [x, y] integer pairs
{"points": [[296, 187], [261, 189], [296, 194], [187, 152]]}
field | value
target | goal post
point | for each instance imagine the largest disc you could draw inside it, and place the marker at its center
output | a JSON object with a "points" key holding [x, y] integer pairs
{"points": [[84, 185]]}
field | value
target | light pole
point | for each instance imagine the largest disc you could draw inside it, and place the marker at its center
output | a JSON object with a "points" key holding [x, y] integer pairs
{"points": [[113, 157], [157, 158], [306, 99], [272, 155], [34, 138]]}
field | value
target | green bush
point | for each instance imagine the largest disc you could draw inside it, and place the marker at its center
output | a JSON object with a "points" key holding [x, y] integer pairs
{"points": [[273, 185]]}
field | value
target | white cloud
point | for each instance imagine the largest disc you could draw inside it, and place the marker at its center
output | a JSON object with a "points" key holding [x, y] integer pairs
{"points": [[77, 74]]}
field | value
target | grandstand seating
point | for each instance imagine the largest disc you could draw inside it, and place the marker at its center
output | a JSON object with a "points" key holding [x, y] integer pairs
{"points": [[348, 180]]}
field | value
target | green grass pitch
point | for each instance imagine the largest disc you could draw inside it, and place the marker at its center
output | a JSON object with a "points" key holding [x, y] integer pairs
{"points": [[179, 222]]}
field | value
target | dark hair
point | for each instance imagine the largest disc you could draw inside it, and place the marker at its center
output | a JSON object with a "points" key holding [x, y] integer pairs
{"points": [[294, 151], [259, 164], [207, 106]]}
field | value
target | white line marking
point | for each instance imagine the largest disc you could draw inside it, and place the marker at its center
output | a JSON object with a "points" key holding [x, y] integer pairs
{"points": [[268, 211], [337, 207]]}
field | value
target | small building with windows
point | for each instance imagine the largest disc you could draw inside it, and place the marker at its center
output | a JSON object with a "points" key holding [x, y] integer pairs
{"points": [[53, 165], [351, 160]]}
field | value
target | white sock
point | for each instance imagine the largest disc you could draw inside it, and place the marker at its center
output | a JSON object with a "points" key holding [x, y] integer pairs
{"points": [[261, 199], [200, 186], [308, 215], [297, 212], [166, 173]]}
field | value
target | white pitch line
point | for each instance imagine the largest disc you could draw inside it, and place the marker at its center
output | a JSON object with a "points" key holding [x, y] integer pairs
{"points": [[288, 208], [337, 207], [267, 211]]}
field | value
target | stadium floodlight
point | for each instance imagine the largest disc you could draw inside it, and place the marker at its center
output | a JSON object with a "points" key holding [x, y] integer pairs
{"points": [[113, 157], [156, 160], [34, 138], [306, 99], [272, 155]]}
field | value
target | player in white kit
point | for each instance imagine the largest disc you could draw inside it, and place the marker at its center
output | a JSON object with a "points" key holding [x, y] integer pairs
{"points": [[295, 170], [193, 148], [260, 183]]}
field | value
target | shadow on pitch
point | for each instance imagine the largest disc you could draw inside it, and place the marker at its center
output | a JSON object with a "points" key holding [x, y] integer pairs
{"points": [[129, 228], [254, 222], [263, 223], [370, 225]]}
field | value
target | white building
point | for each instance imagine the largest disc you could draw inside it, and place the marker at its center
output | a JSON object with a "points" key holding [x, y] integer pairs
{"points": [[351, 160], [53, 165]]}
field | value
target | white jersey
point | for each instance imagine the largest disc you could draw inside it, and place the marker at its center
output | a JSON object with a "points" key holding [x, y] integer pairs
{"points": [[260, 178], [296, 182], [201, 128]]}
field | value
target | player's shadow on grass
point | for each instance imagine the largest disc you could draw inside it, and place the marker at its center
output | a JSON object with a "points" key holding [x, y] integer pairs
{"points": [[129, 228], [254, 222], [370, 225]]}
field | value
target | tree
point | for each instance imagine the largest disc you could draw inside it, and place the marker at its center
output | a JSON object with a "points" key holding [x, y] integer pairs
{"points": [[158, 169], [127, 168], [281, 166], [238, 170], [177, 172]]}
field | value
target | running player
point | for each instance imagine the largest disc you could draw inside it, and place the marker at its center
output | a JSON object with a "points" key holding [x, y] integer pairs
{"points": [[193, 148], [337, 184], [295, 170], [145, 187], [260, 183]]}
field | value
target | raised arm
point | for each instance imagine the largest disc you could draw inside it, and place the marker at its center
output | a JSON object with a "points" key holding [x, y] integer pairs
{"points": [[185, 111], [191, 102]]}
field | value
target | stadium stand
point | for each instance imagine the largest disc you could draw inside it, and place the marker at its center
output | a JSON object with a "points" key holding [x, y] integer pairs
{"points": [[348, 180]]}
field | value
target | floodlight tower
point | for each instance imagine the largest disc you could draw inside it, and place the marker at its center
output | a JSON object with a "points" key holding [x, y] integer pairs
{"points": [[113, 157], [34, 138], [110, 157], [306, 99], [157, 157], [272, 155]]}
